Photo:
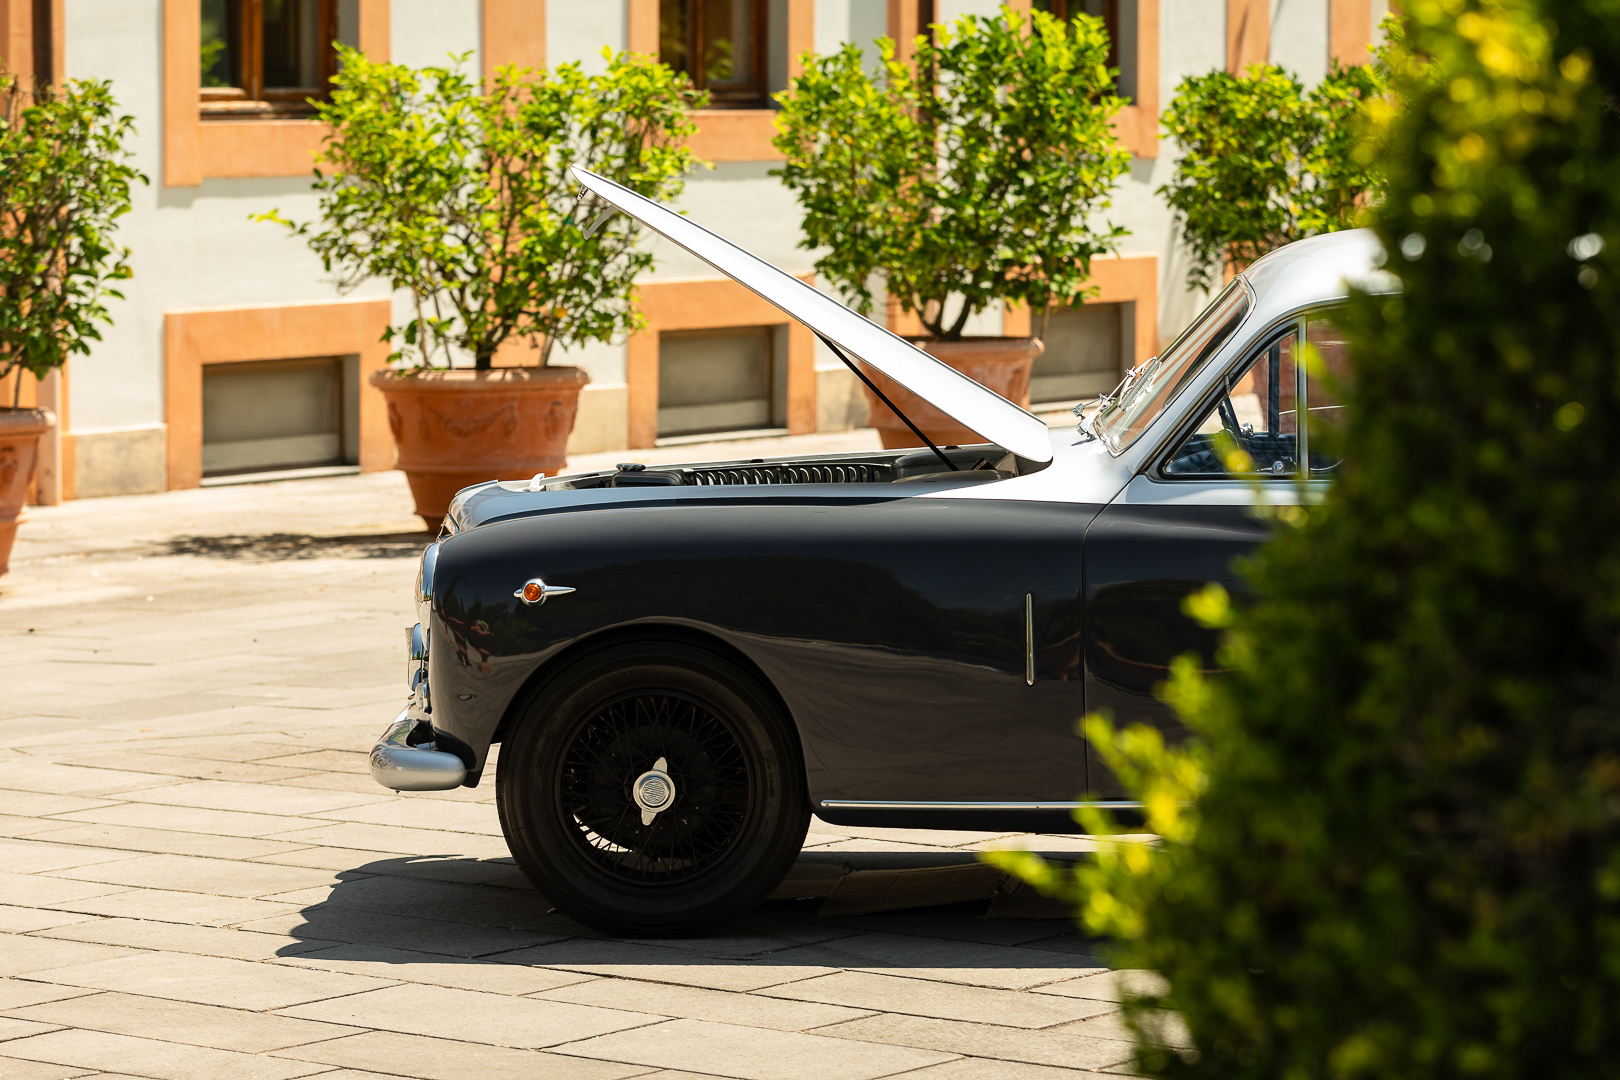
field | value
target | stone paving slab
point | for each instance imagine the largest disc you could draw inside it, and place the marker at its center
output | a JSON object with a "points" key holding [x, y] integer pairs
{"points": [[199, 879]]}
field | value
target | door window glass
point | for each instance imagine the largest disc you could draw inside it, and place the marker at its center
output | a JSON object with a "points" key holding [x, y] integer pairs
{"points": [[1258, 412], [1328, 377]]}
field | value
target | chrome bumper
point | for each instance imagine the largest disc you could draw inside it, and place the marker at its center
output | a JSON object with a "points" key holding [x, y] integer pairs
{"points": [[397, 764]]}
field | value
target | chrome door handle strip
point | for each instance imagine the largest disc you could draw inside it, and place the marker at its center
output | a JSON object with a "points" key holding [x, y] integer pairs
{"points": [[1029, 639]]}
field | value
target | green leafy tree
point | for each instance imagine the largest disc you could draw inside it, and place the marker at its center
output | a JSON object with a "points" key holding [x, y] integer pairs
{"points": [[1393, 848], [1265, 162], [67, 180], [463, 197], [969, 178]]}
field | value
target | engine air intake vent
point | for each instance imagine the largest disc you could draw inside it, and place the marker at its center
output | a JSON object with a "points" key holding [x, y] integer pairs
{"points": [[832, 472]]}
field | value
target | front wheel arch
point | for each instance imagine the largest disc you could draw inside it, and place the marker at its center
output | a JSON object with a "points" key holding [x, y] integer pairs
{"points": [[651, 633]]}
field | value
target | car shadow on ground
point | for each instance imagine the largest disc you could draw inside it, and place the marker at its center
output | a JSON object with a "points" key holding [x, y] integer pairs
{"points": [[274, 547], [958, 914]]}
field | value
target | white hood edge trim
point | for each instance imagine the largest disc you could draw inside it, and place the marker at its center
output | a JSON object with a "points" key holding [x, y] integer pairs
{"points": [[959, 397]]}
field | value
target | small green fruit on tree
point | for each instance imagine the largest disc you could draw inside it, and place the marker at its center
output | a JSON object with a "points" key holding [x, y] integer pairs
{"points": [[973, 175], [1393, 850], [64, 180], [1265, 163], [463, 197]]}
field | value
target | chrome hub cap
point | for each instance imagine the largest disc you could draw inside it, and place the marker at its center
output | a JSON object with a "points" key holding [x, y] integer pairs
{"points": [[653, 790]]}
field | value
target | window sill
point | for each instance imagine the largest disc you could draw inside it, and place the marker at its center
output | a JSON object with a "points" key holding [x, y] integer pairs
{"points": [[213, 111], [236, 147], [735, 135]]}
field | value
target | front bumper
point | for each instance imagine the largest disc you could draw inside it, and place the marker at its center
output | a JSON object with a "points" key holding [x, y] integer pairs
{"points": [[397, 764]]}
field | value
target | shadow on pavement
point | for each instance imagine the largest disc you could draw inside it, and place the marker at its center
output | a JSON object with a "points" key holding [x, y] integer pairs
{"points": [[272, 547], [456, 910]]}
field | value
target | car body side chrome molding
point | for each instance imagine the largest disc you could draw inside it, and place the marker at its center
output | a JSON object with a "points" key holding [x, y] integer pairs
{"points": [[895, 804]]}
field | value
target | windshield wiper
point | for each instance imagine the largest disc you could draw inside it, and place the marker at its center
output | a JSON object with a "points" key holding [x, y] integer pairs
{"points": [[1088, 421]]}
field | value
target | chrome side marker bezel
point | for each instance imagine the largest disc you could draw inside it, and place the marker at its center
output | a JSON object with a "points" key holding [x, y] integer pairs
{"points": [[535, 591]]}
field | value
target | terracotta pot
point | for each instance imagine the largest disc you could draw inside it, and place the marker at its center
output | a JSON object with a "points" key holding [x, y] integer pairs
{"points": [[456, 428], [20, 430], [1002, 364]]}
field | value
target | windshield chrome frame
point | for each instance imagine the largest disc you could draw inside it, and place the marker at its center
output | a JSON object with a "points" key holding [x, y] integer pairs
{"points": [[1088, 420]]}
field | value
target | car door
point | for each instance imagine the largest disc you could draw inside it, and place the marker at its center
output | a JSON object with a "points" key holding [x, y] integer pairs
{"points": [[1188, 519]]}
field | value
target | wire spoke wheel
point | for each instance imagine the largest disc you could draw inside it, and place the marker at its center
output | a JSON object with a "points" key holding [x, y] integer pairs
{"points": [[705, 761], [652, 788]]}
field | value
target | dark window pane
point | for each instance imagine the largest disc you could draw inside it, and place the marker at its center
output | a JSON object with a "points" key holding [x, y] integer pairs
{"points": [[728, 43], [716, 42], [221, 31], [292, 44], [673, 27]]}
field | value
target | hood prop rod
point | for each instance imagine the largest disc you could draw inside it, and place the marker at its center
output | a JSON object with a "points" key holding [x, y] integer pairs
{"points": [[881, 396]]}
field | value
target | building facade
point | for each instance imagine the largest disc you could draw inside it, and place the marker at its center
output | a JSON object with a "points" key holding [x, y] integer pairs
{"points": [[234, 354]]}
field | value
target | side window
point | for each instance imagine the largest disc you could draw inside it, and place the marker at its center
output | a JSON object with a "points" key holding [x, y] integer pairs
{"points": [[1323, 412], [720, 44], [266, 58], [1258, 410]]}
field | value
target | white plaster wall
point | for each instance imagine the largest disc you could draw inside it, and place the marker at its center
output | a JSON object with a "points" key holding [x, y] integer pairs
{"points": [[859, 21], [190, 247], [576, 30], [1192, 41], [1299, 38], [948, 11], [1380, 12], [428, 33], [741, 201]]}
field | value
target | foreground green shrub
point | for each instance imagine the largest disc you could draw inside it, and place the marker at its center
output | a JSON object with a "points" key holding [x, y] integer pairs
{"points": [[1401, 853], [1264, 162]]}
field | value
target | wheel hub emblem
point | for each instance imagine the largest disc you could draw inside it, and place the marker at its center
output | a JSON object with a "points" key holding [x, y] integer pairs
{"points": [[654, 791]]}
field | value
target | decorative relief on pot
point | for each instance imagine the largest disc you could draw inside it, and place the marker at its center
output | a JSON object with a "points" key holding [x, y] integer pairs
{"points": [[466, 427], [396, 422], [8, 467]]}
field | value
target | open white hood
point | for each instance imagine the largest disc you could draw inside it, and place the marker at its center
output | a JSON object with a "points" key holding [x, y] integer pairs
{"points": [[956, 395]]}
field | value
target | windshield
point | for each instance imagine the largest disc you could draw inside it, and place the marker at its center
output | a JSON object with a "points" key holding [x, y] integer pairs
{"points": [[1122, 422]]}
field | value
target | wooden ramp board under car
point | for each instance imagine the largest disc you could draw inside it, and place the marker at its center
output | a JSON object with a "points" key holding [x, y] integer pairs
{"points": [[845, 889]]}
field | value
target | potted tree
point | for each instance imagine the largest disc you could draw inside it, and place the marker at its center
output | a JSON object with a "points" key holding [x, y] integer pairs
{"points": [[1265, 162], [67, 179], [461, 197], [969, 178]]}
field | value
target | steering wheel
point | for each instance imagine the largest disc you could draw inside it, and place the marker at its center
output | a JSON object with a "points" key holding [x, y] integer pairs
{"points": [[1229, 420]]}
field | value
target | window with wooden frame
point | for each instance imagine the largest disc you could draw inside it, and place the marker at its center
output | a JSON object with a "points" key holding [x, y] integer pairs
{"points": [[720, 44], [266, 57]]}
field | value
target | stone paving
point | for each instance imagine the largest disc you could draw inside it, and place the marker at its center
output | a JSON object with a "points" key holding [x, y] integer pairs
{"points": [[198, 878]]}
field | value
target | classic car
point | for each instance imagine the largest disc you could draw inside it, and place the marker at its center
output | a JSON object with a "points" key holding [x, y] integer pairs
{"points": [[682, 664]]}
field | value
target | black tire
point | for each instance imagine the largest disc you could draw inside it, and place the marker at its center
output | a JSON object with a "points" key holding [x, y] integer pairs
{"points": [[563, 787]]}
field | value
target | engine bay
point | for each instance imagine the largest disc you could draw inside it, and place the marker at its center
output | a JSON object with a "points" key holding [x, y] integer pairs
{"points": [[967, 465]]}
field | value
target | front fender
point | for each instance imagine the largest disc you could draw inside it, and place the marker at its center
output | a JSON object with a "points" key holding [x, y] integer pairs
{"points": [[847, 583]]}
